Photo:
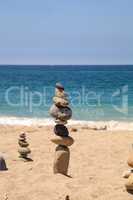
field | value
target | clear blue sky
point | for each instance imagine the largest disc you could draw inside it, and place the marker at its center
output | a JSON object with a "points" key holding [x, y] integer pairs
{"points": [[66, 31]]}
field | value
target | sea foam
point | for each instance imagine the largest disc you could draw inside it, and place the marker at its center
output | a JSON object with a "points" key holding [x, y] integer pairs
{"points": [[99, 125]]}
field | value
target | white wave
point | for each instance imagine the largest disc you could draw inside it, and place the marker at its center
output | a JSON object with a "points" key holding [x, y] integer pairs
{"points": [[25, 121], [99, 125], [105, 125]]}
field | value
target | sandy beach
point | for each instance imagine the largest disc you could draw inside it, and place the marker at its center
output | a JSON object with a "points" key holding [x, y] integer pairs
{"points": [[98, 159]]}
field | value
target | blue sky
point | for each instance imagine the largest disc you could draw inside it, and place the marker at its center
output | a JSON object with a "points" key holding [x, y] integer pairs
{"points": [[66, 32]]}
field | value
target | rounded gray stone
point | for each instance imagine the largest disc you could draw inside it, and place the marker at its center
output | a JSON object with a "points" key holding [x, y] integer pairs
{"points": [[62, 113]]}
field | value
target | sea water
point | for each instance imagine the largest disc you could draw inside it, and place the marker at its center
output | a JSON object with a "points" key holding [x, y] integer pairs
{"points": [[96, 93]]}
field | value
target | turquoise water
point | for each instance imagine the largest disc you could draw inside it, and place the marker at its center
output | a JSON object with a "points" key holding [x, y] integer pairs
{"points": [[96, 92]]}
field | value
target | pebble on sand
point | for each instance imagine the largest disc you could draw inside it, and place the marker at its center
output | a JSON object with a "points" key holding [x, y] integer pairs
{"points": [[2, 164]]}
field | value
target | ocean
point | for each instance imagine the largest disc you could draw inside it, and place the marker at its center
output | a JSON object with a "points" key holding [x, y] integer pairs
{"points": [[96, 93]]}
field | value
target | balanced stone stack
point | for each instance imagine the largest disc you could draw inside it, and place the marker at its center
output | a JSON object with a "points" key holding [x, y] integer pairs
{"points": [[23, 149], [61, 112], [129, 173]]}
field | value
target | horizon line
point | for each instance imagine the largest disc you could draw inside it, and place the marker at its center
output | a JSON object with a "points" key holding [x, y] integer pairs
{"points": [[66, 64]]}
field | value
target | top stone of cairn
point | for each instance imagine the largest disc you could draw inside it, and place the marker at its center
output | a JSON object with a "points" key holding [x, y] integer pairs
{"points": [[59, 86]]}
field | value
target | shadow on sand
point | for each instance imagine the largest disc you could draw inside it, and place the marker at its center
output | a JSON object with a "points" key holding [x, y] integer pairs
{"points": [[130, 191]]}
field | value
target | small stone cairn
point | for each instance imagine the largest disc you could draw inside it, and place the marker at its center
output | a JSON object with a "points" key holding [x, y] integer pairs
{"points": [[61, 112], [23, 150], [129, 173]]}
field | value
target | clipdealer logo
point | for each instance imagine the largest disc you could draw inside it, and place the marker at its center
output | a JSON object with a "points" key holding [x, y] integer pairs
{"points": [[122, 96], [88, 101]]}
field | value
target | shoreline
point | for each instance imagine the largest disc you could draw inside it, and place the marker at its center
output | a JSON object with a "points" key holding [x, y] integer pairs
{"points": [[94, 125]]}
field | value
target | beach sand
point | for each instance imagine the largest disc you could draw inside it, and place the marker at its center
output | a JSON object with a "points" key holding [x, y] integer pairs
{"points": [[98, 159]]}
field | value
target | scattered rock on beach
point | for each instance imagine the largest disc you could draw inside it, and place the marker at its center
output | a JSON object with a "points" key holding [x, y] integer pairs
{"points": [[2, 164], [67, 198], [74, 129], [96, 128]]}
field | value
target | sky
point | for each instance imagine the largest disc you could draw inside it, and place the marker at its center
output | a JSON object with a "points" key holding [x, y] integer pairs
{"points": [[66, 32]]}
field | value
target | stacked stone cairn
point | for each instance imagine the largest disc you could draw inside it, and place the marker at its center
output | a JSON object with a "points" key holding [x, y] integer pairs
{"points": [[129, 173], [23, 150], [61, 112], [2, 164]]}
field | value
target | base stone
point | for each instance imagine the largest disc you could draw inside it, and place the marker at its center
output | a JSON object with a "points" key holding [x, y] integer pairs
{"points": [[61, 162], [2, 164], [129, 183]]}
